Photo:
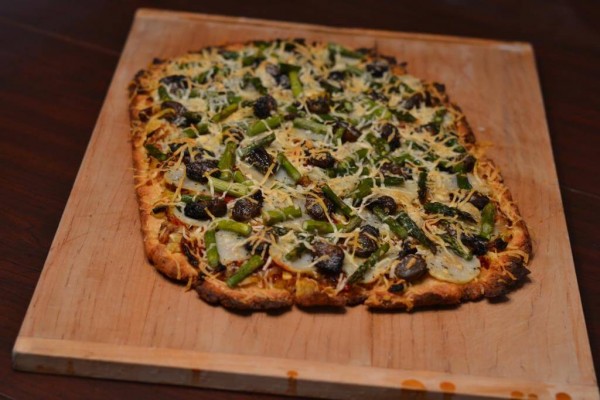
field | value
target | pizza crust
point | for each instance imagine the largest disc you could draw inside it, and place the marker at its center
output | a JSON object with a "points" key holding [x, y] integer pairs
{"points": [[496, 279]]}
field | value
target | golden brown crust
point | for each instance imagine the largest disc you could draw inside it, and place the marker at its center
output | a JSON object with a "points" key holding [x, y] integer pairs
{"points": [[248, 298], [501, 272]]}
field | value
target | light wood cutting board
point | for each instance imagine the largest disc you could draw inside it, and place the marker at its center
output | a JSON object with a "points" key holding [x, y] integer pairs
{"points": [[101, 310]]}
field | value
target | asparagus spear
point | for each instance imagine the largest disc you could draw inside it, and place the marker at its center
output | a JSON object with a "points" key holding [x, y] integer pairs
{"points": [[276, 216], [439, 208], [261, 142], [394, 225], [212, 252], [233, 189], [343, 207], [413, 230], [225, 113], [154, 152], [488, 216], [303, 123], [463, 182], [289, 167], [368, 264], [233, 226], [227, 161], [245, 270], [264, 124]]}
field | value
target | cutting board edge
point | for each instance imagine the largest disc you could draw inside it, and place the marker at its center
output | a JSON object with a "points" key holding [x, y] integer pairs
{"points": [[282, 376], [518, 46]]}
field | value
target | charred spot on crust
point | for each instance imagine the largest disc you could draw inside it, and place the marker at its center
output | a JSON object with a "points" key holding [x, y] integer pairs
{"points": [[397, 288], [186, 249]]}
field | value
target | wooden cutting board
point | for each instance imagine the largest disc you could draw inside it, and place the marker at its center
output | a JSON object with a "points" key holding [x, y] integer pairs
{"points": [[101, 310]]}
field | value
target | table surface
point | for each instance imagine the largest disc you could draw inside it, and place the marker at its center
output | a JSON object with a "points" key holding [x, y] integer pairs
{"points": [[57, 59]]}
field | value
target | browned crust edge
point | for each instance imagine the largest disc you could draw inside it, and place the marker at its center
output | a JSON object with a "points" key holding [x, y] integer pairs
{"points": [[497, 279]]}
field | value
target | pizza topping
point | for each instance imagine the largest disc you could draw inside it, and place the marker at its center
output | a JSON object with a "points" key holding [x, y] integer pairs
{"points": [[329, 257], [205, 209], [198, 170], [245, 209], [264, 106], [366, 242], [324, 143], [410, 267]]}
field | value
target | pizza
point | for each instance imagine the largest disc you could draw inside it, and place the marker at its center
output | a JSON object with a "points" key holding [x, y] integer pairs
{"points": [[274, 173]]}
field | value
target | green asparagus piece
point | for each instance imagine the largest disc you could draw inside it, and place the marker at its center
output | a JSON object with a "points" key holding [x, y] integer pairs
{"points": [[245, 270], [233, 226], [202, 129], [295, 83], [186, 198], [463, 182], [264, 124], [227, 161], [456, 247], [353, 223], [261, 142], [438, 119], [289, 167], [163, 94], [233, 189], [296, 252], [348, 165], [413, 230], [190, 132], [363, 189], [239, 177], [225, 113], [212, 252], [368, 264], [153, 151], [314, 226], [439, 208], [394, 225], [364, 186], [309, 125], [403, 116], [488, 216], [276, 216], [339, 203], [229, 55]]}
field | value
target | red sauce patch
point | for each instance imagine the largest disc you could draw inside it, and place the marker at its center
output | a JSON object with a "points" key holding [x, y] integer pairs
{"points": [[516, 395], [562, 396]]}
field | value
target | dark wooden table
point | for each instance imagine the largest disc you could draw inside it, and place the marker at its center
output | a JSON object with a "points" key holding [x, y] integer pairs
{"points": [[57, 59]]}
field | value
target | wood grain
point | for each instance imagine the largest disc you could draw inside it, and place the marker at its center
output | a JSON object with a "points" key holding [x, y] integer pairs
{"points": [[514, 341]]}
